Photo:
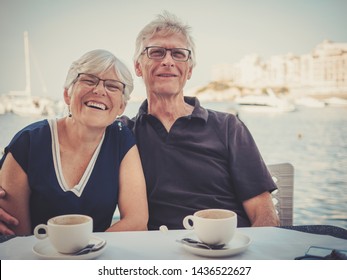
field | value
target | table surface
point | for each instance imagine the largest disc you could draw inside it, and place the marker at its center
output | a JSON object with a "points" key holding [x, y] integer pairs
{"points": [[267, 243]]}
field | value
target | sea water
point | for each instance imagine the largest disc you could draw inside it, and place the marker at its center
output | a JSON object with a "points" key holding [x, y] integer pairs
{"points": [[313, 140]]}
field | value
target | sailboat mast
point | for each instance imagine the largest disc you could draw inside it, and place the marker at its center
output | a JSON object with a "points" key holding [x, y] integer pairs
{"points": [[27, 64]]}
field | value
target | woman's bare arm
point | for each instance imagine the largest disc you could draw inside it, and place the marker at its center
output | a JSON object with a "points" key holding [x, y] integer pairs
{"points": [[132, 201]]}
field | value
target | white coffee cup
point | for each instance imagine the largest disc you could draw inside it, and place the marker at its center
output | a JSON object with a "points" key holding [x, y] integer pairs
{"points": [[212, 226], [67, 233]]}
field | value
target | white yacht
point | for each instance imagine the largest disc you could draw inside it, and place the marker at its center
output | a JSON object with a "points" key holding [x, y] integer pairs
{"points": [[336, 102], [309, 102], [2, 109], [22, 102], [265, 103]]}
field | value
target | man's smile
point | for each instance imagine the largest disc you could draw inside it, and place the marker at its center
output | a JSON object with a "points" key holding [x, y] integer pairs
{"points": [[166, 75]]}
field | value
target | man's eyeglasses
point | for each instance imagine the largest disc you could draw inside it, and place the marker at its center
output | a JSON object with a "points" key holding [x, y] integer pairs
{"points": [[178, 54], [91, 81]]}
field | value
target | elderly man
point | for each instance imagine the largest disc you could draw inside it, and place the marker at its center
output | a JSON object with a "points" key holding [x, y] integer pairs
{"points": [[193, 158]]}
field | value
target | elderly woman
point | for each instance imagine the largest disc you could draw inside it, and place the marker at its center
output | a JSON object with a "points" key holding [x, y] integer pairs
{"points": [[83, 163]]}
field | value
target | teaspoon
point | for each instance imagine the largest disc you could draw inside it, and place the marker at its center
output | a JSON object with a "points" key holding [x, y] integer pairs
{"points": [[195, 243], [91, 248]]}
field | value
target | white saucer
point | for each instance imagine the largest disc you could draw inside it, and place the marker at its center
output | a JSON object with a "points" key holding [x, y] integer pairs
{"points": [[238, 244], [44, 250]]}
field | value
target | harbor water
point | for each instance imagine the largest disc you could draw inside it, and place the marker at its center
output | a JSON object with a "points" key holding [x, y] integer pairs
{"points": [[313, 140]]}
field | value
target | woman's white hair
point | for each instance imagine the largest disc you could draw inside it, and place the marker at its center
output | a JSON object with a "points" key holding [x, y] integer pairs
{"points": [[170, 24], [96, 62]]}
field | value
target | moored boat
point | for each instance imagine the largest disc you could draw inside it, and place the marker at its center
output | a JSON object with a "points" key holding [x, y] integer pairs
{"points": [[336, 102], [23, 103], [309, 102], [265, 103]]}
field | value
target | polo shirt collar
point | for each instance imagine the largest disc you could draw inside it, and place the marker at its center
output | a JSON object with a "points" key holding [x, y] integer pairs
{"points": [[198, 112]]}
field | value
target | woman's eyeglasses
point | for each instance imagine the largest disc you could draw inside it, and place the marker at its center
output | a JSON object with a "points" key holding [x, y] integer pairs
{"points": [[92, 81]]}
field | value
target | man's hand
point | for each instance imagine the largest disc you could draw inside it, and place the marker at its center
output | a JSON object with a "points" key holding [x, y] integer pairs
{"points": [[5, 218]]}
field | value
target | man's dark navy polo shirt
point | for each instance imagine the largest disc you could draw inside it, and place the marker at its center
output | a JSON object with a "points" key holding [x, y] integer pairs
{"points": [[207, 160]]}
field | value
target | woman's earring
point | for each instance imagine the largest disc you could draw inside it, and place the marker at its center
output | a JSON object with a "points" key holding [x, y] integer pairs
{"points": [[70, 115]]}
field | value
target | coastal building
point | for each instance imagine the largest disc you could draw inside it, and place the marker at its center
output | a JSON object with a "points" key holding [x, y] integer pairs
{"points": [[329, 65], [323, 71]]}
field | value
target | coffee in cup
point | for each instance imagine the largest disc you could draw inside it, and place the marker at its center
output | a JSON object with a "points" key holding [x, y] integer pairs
{"points": [[212, 226], [67, 233]]}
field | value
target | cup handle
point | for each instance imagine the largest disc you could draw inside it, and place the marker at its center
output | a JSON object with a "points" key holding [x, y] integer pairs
{"points": [[186, 222], [41, 235]]}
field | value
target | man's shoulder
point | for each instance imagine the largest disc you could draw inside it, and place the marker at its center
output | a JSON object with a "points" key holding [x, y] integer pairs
{"points": [[210, 114], [129, 122], [220, 116]]}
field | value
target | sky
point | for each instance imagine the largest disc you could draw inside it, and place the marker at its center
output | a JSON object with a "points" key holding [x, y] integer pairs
{"points": [[224, 32]]}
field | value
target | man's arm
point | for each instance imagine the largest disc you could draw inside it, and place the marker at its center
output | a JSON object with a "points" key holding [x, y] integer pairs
{"points": [[261, 211], [5, 218]]}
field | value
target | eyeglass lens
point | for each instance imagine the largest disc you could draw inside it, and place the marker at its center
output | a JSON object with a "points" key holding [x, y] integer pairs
{"points": [[90, 80], [178, 54]]}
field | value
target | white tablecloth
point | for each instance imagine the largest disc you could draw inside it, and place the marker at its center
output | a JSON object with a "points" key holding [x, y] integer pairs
{"points": [[267, 243]]}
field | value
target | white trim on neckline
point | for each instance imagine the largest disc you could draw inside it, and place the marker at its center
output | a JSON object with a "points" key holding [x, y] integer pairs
{"points": [[77, 189]]}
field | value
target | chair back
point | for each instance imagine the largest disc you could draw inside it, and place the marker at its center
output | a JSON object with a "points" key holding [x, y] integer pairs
{"points": [[283, 176]]}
